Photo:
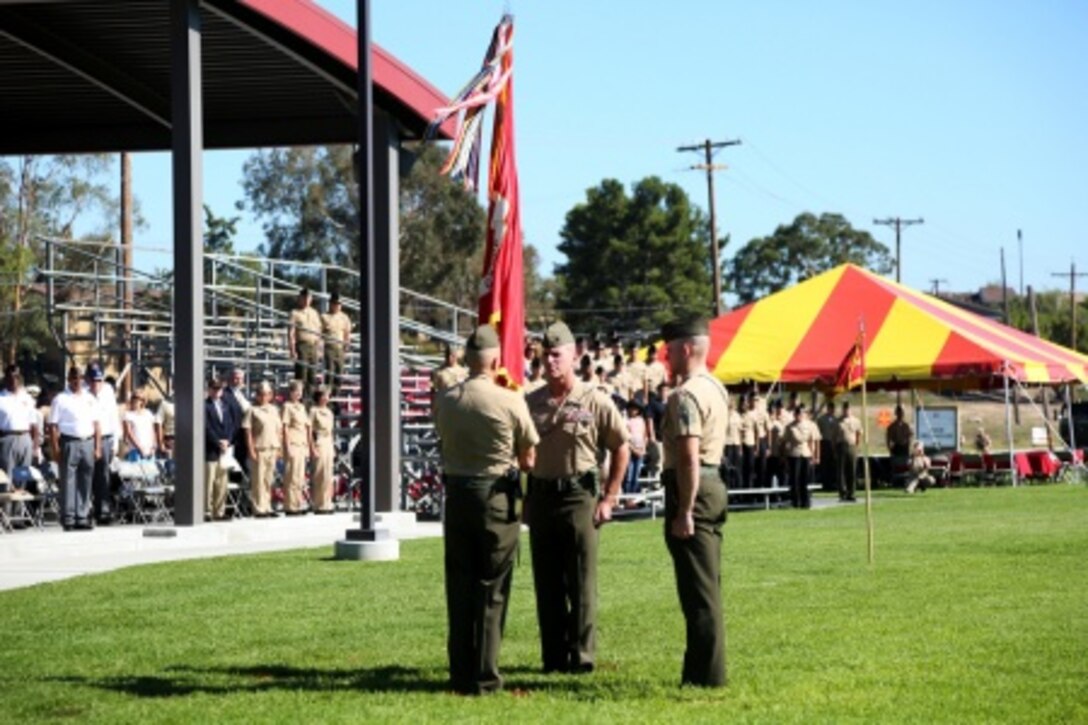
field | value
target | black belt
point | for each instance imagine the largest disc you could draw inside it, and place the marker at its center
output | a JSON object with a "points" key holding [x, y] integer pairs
{"points": [[4, 433], [68, 438]]}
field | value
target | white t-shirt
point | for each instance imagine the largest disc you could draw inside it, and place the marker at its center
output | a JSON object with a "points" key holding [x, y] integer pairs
{"points": [[108, 416], [74, 414], [143, 427], [16, 411]]}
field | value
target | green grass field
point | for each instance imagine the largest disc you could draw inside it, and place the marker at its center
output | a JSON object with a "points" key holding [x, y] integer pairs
{"points": [[975, 610]]}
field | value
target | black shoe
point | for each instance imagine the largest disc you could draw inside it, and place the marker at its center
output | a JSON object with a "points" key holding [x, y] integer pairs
{"points": [[84, 526]]}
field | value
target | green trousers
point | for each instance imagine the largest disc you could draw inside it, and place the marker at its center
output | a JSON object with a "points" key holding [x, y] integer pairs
{"points": [[563, 541], [306, 367], [480, 533], [334, 367], [697, 563], [847, 458]]}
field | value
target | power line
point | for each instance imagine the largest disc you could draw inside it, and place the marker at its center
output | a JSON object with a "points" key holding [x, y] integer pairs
{"points": [[707, 147], [1073, 275], [898, 224]]}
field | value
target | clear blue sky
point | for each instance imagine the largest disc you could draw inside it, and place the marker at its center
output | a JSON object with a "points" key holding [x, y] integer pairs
{"points": [[970, 114]]}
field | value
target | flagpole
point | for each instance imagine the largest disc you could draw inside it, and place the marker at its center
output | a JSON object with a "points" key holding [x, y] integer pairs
{"points": [[865, 433]]}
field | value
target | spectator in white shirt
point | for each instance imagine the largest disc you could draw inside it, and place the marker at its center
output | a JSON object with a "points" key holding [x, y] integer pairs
{"points": [[18, 435], [139, 426], [110, 431], [76, 440]]}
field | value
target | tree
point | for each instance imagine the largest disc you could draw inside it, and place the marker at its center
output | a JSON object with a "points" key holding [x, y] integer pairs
{"points": [[308, 201], [43, 196], [802, 249], [633, 261]]}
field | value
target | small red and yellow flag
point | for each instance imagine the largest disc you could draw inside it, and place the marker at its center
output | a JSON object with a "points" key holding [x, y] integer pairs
{"points": [[851, 372]]}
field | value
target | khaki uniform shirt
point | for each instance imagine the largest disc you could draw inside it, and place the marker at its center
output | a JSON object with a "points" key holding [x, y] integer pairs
{"points": [[636, 371], [295, 420], [266, 425], [763, 422], [899, 432], [307, 325], [749, 427], [321, 423], [829, 427], [165, 417], [699, 408], [777, 440], [573, 429], [849, 428], [482, 426], [732, 428], [447, 376], [622, 383], [655, 374], [335, 327], [800, 439]]}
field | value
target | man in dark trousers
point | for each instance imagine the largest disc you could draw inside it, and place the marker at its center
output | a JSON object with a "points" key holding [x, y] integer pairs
{"points": [[696, 498], [219, 427], [483, 428], [566, 503], [234, 395]]}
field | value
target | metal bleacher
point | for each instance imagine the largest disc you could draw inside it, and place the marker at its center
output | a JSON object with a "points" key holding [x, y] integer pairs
{"points": [[247, 301]]}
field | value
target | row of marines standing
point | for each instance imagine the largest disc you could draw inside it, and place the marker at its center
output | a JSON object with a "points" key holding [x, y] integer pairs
{"points": [[554, 434]]}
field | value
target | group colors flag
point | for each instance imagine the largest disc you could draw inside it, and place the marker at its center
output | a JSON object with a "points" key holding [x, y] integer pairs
{"points": [[798, 336], [851, 371], [502, 294]]}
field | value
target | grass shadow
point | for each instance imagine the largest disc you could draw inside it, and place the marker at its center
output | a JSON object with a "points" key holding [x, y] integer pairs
{"points": [[183, 680]]}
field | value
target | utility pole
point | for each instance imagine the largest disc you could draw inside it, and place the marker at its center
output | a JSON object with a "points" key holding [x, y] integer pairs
{"points": [[937, 286], [127, 384], [1020, 247], [1046, 393], [898, 224], [708, 147], [1004, 291], [1073, 274]]}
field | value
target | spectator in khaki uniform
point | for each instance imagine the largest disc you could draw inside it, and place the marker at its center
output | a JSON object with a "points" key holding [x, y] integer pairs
{"points": [[484, 429], [829, 469], [323, 452], [776, 461], [732, 442], [296, 449], [801, 441], [336, 328], [636, 371], [655, 370], [847, 440], [899, 435], [696, 498], [449, 374], [303, 336], [621, 382], [564, 506], [749, 443], [264, 434], [763, 437]]}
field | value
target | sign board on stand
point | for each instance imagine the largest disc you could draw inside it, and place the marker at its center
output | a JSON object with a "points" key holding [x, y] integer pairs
{"points": [[938, 427]]}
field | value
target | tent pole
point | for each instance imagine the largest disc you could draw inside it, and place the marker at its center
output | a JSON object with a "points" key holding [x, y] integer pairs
{"points": [[868, 480], [1008, 427], [1069, 416]]}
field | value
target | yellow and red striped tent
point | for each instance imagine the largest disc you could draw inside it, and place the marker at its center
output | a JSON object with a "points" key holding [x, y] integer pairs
{"points": [[801, 335]]}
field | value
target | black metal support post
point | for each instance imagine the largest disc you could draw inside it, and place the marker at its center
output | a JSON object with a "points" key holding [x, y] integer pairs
{"points": [[188, 144]]}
